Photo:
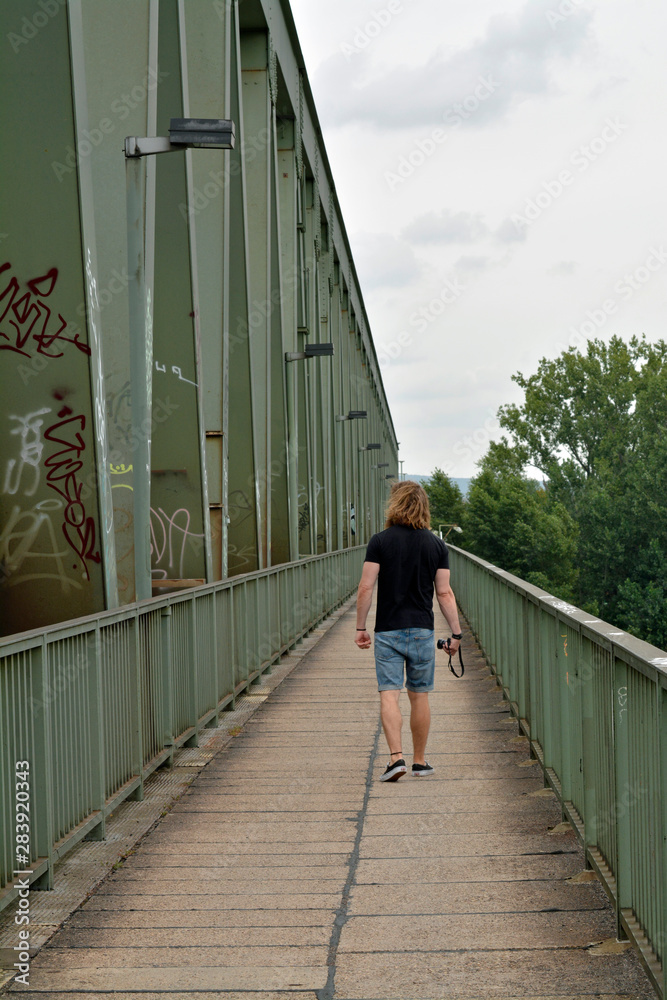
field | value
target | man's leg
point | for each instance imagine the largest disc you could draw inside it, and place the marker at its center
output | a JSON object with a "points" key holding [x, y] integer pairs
{"points": [[392, 722], [420, 723]]}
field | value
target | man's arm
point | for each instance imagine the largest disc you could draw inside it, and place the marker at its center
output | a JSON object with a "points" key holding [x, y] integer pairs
{"points": [[369, 575], [447, 603]]}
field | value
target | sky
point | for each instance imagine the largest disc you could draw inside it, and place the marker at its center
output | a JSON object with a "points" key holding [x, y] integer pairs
{"points": [[501, 171]]}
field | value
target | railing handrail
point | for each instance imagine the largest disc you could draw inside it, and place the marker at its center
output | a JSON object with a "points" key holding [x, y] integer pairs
{"points": [[635, 652], [57, 629], [97, 704], [592, 701]]}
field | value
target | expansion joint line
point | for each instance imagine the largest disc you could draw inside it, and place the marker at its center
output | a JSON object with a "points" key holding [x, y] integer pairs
{"points": [[342, 915]]}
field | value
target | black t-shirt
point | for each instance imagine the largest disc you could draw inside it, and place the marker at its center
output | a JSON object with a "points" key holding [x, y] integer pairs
{"points": [[409, 559]]}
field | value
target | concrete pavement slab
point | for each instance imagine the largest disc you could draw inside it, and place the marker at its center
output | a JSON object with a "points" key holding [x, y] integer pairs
{"points": [[466, 975], [232, 916], [176, 980], [476, 897], [173, 956], [498, 869], [205, 937], [429, 845], [478, 932]]}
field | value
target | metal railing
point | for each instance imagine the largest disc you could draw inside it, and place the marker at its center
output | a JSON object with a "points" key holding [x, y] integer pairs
{"points": [[593, 702], [94, 706]]}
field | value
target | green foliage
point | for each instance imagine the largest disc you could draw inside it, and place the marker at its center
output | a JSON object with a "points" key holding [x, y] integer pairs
{"points": [[511, 521], [446, 501], [595, 424]]}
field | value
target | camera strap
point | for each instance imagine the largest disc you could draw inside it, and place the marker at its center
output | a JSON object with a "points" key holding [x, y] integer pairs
{"points": [[463, 669]]}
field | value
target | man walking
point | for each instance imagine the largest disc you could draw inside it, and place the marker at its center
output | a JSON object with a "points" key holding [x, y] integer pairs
{"points": [[407, 560]]}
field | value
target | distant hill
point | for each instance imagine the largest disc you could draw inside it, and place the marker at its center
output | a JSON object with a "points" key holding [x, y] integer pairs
{"points": [[463, 484]]}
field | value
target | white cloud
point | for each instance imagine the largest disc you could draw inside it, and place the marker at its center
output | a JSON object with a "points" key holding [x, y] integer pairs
{"points": [[447, 226], [563, 269], [383, 260], [513, 297], [476, 84]]}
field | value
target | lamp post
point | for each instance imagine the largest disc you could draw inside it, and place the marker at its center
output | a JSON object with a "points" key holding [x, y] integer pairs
{"points": [[353, 415], [311, 351], [184, 133], [451, 527]]}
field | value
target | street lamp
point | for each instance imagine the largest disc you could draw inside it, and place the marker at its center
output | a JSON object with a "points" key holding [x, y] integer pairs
{"points": [[184, 133], [354, 415], [371, 447], [452, 527], [311, 351]]}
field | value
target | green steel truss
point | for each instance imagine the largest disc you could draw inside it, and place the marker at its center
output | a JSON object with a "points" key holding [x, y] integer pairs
{"points": [[154, 435]]}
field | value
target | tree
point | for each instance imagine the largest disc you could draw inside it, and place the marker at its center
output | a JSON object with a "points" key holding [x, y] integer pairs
{"points": [[511, 521], [445, 499], [595, 424], [583, 413]]}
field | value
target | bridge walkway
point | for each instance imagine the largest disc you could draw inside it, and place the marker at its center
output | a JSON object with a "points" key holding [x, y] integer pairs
{"points": [[289, 870]]}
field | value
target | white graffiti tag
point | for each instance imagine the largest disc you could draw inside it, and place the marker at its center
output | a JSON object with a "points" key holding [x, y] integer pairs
{"points": [[30, 535], [29, 429]]}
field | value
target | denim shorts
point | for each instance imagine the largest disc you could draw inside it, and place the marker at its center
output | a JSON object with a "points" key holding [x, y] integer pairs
{"points": [[409, 648]]}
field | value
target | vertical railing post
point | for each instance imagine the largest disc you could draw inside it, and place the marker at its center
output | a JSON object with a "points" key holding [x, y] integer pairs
{"points": [[136, 682], [98, 730], [166, 679], [662, 870], [193, 675], [591, 747], [42, 782], [565, 727], [623, 872], [214, 665]]}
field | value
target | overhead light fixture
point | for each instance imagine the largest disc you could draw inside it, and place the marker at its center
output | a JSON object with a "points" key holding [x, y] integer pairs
{"points": [[202, 133], [185, 133], [371, 447], [311, 351], [354, 415], [383, 465]]}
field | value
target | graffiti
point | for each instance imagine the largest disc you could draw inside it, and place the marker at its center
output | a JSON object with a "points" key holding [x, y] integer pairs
{"points": [[121, 470], [24, 537], [169, 539], [62, 476], [26, 319], [247, 556], [304, 518], [29, 430], [240, 507], [175, 370]]}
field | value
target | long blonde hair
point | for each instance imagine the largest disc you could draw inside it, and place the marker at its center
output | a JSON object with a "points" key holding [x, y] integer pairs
{"points": [[408, 504]]}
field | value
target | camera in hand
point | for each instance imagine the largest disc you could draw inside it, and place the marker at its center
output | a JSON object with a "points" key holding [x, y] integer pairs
{"points": [[442, 643]]}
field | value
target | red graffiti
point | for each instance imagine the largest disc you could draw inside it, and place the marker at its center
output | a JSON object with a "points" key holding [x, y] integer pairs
{"points": [[28, 316], [63, 469]]}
